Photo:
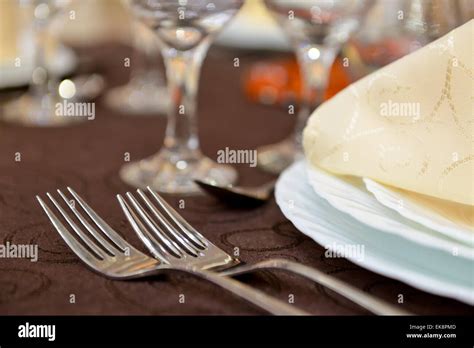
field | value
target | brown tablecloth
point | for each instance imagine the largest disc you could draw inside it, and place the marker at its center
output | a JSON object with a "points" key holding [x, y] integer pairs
{"points": [[88, 156]]}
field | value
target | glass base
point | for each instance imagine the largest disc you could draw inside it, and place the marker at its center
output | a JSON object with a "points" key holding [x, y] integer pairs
{"points": [[168, 172], [88, 87], [277, 157], [34, 112], [138, 99]]}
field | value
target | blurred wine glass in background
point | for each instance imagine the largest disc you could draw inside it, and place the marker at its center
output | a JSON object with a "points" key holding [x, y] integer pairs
{"points": [[395, 28], [186, 30], [317, 30], [146, 92], [37, 106]]}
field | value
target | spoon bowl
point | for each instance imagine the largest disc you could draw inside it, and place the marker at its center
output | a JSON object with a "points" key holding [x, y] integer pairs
{"points": [[238, 195]]}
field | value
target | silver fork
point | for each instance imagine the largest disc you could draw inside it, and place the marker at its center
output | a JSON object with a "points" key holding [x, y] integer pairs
{"points": [[107, 253], [193, 250]]}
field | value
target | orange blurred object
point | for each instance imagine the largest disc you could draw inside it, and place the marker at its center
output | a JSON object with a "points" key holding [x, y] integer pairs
{"points": [[279, 81]]}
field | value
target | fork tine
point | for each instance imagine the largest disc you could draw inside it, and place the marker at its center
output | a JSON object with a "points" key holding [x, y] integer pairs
{"points": [[164, 239], [187, 229], [182, 240], [99, 252], [84, 254], [143, 233], [109, 232], [102, 241]]}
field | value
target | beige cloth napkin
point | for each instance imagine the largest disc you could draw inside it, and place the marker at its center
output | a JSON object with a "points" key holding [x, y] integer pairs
{"points": [[9, 30], [409, 124], [84, 22], [95, 22]]}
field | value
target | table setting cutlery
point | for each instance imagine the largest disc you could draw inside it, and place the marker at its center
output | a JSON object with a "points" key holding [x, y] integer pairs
{"points": [[208, 255], [242, 196], [371, 206], [108, 254], [180, 248]]}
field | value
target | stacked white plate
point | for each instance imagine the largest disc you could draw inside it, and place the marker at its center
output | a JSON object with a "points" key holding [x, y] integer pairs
{"points": [[11, 76], [408, 242], [254, 28]]}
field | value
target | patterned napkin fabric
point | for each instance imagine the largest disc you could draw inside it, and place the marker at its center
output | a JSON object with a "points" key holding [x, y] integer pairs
{"points": [[408, 125]]}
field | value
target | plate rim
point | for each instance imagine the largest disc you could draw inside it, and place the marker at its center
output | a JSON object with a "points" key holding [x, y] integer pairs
{"points": [[410, 233], [370, 184], [374, 262]]}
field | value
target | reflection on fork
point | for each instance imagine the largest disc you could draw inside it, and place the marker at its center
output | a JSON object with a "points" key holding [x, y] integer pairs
{"points": [[164, 231], [183, 243], [107, 253]]}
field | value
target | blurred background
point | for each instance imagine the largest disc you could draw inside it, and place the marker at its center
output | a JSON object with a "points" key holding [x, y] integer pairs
{"points": [[390, 29], [97, 50], [268, 68]]}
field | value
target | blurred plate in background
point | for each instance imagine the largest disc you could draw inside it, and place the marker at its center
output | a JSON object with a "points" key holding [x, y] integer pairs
{"points": [[61, 63], [254, 28]]}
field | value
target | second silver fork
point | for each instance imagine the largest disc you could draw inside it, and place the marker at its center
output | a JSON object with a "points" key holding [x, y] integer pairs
{"points": [[167, 235], [106, 252]]}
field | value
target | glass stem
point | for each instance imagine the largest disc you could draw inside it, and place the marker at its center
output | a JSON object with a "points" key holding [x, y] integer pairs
{"points": [[40, 78], [144, 51], [182, 71], [315, 62], [140, 66]]}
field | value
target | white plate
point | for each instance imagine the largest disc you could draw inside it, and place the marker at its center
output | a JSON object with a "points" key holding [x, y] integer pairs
{"points": [[254, 28], [423, 267], [458, 226], [11, 76], [252, 36], [348, 194]]}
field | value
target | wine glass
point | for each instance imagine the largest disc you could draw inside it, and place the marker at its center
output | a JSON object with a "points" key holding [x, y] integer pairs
{"points": [[316, 29], [146, 92], [186, 30], [395, 28], [37, 106]]}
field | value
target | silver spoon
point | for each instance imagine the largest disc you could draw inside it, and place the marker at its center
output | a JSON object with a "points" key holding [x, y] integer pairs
{"points": [[238, 195]]}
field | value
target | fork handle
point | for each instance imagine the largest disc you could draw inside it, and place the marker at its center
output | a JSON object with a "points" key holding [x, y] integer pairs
{"points": [[254, 296], [363, 299]]}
